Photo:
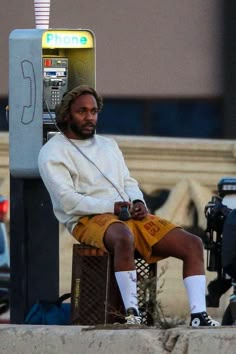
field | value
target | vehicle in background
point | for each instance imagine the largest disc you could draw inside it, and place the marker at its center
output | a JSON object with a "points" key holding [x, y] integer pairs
{"points": [[4, 257]]}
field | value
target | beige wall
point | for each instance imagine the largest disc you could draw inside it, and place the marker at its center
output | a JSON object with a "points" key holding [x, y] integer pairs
{"points": [[144, 48]]}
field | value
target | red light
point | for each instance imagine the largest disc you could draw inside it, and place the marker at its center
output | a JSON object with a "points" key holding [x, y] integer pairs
{"points": [[47, 63], [4, 205]]}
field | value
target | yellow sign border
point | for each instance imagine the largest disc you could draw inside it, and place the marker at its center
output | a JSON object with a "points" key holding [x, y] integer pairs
{"points": [[68, 39]]}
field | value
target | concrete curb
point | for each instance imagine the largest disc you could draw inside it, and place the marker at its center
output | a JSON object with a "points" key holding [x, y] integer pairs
{"points": [[26, 339]]}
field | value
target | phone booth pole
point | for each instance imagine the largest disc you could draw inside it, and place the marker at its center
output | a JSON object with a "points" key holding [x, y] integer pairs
{"points": [[34, 249], [43, 65]]}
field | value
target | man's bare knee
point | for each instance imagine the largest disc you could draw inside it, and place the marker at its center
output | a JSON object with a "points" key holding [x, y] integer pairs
{"points": [[118, 236], [179, 243]]}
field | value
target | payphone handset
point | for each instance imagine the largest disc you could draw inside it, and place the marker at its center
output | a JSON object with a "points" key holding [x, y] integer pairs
{"points": [[55, 81]]}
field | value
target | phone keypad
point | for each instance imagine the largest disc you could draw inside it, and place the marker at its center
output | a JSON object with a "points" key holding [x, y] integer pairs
{"points": [[55, 98]]}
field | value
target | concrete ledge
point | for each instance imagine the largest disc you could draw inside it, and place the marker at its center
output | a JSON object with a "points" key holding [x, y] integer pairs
{"points": [[22, 339]]}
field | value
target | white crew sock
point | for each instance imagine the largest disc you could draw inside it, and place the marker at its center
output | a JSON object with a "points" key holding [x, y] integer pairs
{"points": [[196, 292], [127, 283]]}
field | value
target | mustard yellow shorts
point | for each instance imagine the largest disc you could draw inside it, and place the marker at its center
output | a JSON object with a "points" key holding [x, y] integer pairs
{"points": [[147, 232]]}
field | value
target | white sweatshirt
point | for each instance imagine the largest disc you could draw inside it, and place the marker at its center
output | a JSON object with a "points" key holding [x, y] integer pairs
{"points": [[76, 187]]}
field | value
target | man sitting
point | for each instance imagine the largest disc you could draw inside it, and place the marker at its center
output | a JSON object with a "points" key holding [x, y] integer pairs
{"points": [[90, 184]]}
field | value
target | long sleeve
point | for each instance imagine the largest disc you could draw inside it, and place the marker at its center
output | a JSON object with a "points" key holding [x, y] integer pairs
{"points": [[88, 183], [130, 184], [65, 196]]}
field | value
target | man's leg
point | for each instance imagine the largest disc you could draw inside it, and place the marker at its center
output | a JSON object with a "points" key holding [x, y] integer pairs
{"points": [[120, 242], [181, 244]]}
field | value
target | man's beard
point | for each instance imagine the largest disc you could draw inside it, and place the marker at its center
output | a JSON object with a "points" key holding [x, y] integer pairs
{"points": [[78, 130]]}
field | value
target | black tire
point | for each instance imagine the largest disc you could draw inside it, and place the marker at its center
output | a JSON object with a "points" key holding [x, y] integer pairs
{"points": [[227, 319]]}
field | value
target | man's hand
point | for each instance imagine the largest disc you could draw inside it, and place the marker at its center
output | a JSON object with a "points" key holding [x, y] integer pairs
{"points": [[139, 211]]}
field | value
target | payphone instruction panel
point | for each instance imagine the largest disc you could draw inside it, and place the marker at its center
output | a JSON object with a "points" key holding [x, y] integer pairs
{"points": [[55, 81]]}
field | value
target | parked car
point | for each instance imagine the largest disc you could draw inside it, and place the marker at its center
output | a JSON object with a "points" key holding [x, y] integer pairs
{"points": [[4, 257]]}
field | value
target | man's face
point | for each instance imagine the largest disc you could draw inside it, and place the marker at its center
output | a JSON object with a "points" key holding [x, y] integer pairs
{"points": [[83, 117]]}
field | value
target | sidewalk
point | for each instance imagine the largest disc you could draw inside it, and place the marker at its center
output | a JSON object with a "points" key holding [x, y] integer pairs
{"points": [[22, 339]]}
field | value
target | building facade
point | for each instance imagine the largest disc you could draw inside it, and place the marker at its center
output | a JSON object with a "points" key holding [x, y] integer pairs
{"points": [[158, 63]]}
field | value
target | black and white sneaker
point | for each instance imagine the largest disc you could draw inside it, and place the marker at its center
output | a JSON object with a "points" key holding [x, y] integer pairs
{"points": [[133, 318], [202, 319]]}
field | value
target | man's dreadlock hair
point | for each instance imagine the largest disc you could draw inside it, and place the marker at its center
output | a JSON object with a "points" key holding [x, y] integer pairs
{"points": [[62, 110]]}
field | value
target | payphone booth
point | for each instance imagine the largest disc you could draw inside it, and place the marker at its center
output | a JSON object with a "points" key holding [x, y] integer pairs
{"points": [[43, 66]]}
